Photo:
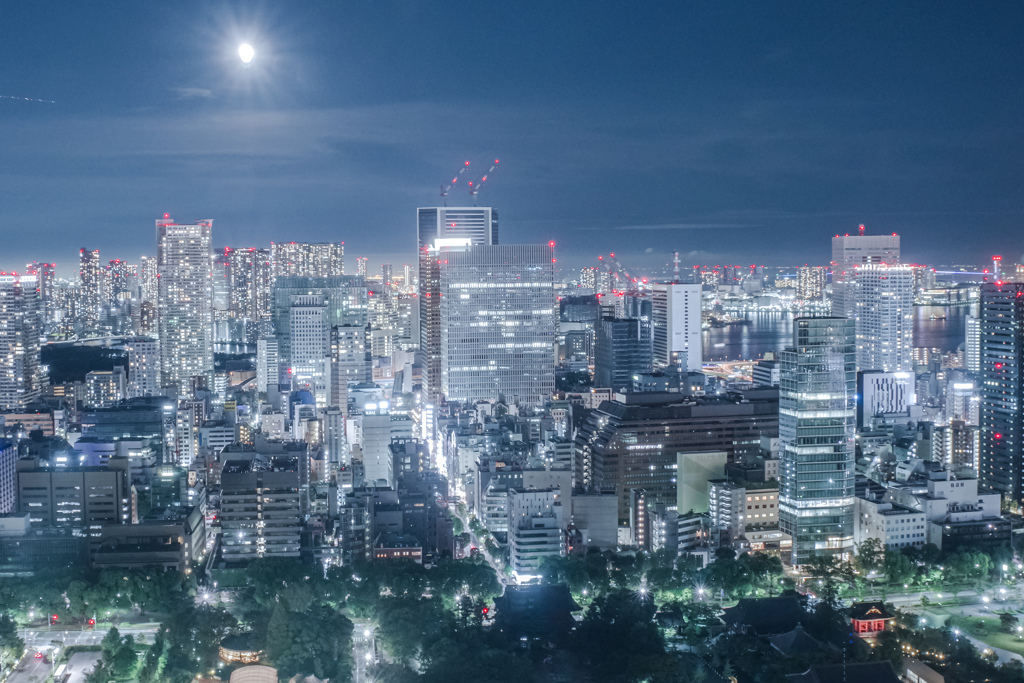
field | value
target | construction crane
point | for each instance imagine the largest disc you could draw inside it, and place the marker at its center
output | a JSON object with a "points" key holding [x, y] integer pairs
{"points": [[629, 278], [446, 187], [474, 188]]}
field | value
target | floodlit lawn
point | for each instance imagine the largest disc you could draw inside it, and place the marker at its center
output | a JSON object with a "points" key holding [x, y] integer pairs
{"points": [[992, 635]]}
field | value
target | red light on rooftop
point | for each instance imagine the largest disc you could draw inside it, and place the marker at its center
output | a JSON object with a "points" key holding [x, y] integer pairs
{"points": [[167, 215], [997, 258], [551, 244]]}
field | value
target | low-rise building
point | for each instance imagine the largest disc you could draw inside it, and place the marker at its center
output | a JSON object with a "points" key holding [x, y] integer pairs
{"points": [[892, 525]]}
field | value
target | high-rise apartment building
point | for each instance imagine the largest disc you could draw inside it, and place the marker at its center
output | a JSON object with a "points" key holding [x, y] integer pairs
{"points": [[143, 366], [439, 227], [302, 259], [22, 376], [47, 274], [184, 263], [1001, 461], [588, 278], [498, 318], [810, 283], [149, 284], [972, 343], [119, 275], [676, 332], [817, 415], [90, 278], [850, 251], [104, 388], [884, 308], [267, 363], [249, 273]]}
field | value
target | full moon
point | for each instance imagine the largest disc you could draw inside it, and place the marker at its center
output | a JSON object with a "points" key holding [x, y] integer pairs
{"points": [[246, 53]]}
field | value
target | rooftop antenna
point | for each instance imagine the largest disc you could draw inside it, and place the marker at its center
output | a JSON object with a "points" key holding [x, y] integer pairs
{"points": [[860, 229]]}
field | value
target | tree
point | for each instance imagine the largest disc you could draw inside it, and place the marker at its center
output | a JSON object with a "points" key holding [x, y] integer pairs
{"points": [[898, 567], [317, 641], [11, 644], [1008, 622], [870, 556]]}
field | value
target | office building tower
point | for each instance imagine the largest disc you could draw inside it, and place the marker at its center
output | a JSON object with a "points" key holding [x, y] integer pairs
{"points": [[535, 529], [300, 259], [22, 376], [817, 415], [104, 388], [885, 317], [883, 398], [76, 497], [185, 311], [8, 476], [346, 303], [498, 323], [267, 364], [407, 277], [1001, 459], [309, 352], [765, 373], [149, 284], [676, 330], [386, 276], [972, 343], [351, 361], [379, 428], [810, 283], [143, 366], [336, 448], [622, 348], [261, 511], [439, 227], [850, 251], [361, 266], [636, 441], [90, 278]]}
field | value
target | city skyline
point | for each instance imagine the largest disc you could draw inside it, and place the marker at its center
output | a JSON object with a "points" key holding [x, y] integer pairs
{"points": [[804, 132]]}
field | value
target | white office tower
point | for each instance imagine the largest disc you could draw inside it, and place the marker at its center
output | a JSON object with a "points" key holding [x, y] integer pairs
{"points": [[535, 529], [22, 377], [379, 427], [676, 334], [438, 227], [351, 362], [850, 251], [143, 366], [309, 364], [885, 317], [268, 361], [184, 263], [498, 323], [817, 414], [972, 344]]}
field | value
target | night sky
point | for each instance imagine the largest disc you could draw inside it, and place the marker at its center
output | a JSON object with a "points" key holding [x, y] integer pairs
{"points": [[734, 132]]}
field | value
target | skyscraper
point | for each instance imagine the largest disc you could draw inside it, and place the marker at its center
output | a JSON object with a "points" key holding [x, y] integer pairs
{"points": [[302, 259], [885, 317], [309, 351], [810, 284], [676, 331], [972, 343], [148, 282], [184, 262], [817, 416], [850, 251], [143, 366], [90, 277], [22, 377], [47, 274], [249, 275], [1001, 461], [438, 227], [622, 348], [497, 322]]}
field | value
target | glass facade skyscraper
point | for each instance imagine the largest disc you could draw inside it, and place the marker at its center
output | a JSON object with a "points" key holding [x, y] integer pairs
{"points": [[1001, 462], [817, 417], [498, 322]]}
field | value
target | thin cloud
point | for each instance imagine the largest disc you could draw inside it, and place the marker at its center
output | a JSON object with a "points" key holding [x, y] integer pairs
{"points": [[193, 93], [688, 226]]}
